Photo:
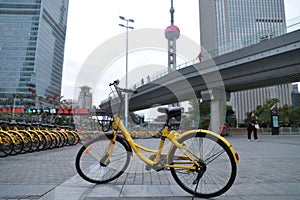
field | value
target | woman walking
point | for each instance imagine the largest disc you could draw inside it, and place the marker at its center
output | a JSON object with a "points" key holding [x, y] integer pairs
{"points": [[251, 127]]}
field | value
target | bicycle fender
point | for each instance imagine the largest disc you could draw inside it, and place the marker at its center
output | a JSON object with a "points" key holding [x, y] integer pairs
{"points": [[127, 144], [213, 136], [120, 138]]}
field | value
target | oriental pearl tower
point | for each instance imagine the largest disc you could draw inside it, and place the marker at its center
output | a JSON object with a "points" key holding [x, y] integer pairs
{"points": [[172, 33]]}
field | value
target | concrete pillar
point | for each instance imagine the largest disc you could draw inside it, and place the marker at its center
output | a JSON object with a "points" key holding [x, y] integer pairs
{"points": [[217, 110], [217, 107]]}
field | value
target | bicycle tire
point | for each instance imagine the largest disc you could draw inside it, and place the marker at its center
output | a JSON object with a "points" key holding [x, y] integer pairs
{"points": [[17, 141], [6, 144], [88, 160], [219, 162], [65, 136], [61, 138], [48, 144], [77, 138], [27, 141], [71, 137], [42, 140], [55, 140], [36, 140]]}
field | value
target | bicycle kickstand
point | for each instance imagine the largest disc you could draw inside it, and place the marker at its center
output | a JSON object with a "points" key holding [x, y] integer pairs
{"points": [[196, 181]]}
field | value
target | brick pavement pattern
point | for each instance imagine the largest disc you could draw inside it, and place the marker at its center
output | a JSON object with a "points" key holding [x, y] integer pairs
{"points": [[268, 169]]}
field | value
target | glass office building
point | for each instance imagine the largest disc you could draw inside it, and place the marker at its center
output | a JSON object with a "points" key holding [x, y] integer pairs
{"points": [[228, 25], [32, 39], [233, 24]]}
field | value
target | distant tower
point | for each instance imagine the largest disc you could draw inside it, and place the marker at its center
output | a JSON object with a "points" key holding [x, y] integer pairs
{"points": [[172, 33], [85, 98]]}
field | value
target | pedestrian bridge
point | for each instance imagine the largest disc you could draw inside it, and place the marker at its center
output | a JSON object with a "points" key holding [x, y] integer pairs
{"points": [[270, 62]]}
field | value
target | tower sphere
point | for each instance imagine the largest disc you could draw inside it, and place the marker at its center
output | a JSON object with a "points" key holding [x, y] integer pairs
{"points": [[172, 32]]}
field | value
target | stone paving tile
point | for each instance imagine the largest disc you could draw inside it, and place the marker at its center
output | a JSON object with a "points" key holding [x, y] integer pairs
{"points": [[23, 191], [65, 193], [46, 167], [106, 190], [146, 191], [267, 170]]}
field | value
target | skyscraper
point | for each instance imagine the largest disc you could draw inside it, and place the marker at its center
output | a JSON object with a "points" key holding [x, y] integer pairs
{"points": [[32, 40], [227, 25]]}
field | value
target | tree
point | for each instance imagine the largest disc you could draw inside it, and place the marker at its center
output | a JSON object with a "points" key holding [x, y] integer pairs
{"points": [[294, 117], [284, 115], [230, 116], [186, 123], [263, 112], [287, 114], [203, 119], [204, 123], [203, 107], [200, 111]]}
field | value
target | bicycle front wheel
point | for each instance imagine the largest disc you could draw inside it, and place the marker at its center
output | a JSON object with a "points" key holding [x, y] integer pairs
{"points": [[94, 163], [218, 170]]}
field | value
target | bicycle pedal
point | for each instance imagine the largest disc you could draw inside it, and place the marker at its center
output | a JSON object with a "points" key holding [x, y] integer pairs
{"points": [[160, 165], [154, 167], [148, 168], [158, 168]]}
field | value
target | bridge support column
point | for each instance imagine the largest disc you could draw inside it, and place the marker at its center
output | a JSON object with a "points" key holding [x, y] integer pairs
{"points": [[217, 98]]}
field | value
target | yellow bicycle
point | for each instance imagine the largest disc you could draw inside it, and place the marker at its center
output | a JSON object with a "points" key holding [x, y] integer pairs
{"points": [[202, 162]]}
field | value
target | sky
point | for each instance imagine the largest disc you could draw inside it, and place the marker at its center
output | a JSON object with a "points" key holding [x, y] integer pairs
{"points": [[92, 23]]}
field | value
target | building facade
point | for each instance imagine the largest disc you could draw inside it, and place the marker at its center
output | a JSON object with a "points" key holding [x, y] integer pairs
{"points": [[247, 100], [295, 96], [233, 24], [228, 25], [85, 98], [32, 40]]}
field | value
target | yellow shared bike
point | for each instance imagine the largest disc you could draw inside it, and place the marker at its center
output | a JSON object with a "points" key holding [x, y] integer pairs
{"points": [[202, 162]]}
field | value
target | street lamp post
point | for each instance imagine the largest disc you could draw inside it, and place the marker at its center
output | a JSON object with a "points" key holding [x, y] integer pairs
{"points": [[126, 78]]}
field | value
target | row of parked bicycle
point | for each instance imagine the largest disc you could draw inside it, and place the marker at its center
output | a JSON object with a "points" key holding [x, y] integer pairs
{"points": [[21, 137]]}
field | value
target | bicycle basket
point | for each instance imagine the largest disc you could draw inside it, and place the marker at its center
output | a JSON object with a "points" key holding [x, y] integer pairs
{"points": [[104, 119]]}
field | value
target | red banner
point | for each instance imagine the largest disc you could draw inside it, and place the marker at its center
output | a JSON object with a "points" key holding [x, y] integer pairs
{"points": [[14, 110]]}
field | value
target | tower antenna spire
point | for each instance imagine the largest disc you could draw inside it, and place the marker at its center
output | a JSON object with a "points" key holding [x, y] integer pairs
{"points": [[172, 10]]}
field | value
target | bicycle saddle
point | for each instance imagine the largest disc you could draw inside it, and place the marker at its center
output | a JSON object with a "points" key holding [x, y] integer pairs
{"points": [[171, 112]]}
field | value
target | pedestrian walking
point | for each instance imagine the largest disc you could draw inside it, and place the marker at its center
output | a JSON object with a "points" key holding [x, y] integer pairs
{"points": [[252, 127]]}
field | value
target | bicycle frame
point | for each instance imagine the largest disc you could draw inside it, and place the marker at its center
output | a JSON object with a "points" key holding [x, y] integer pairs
{"points": [[201, 162], [172, 135]]}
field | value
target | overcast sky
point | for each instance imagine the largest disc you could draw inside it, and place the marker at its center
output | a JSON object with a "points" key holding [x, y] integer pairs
{"points": [[92, 22]]}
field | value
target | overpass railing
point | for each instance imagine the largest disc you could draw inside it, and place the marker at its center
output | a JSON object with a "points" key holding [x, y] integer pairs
{"points": [[292, 25]]}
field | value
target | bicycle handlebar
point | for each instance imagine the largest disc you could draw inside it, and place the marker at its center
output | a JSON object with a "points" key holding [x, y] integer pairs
{"points": [[116, 83]]}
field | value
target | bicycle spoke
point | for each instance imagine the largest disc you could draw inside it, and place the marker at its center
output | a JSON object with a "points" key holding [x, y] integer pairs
{"points": [[216, 171], [214, 157], [88, 160]]}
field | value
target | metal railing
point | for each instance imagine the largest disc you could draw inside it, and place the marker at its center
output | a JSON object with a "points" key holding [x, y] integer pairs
{"points": [[292, 25]]}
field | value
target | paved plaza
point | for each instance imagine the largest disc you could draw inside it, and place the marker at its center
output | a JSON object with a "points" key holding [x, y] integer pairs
{"points": [[269, 169]]}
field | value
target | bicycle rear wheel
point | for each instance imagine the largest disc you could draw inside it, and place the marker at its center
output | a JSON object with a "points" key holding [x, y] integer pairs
{"points": [[6, 144], [35, 140], [27, 141], [219, 167], [90, 163], [42, 140], [77, 138], [17, 142], [48, 144]]}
